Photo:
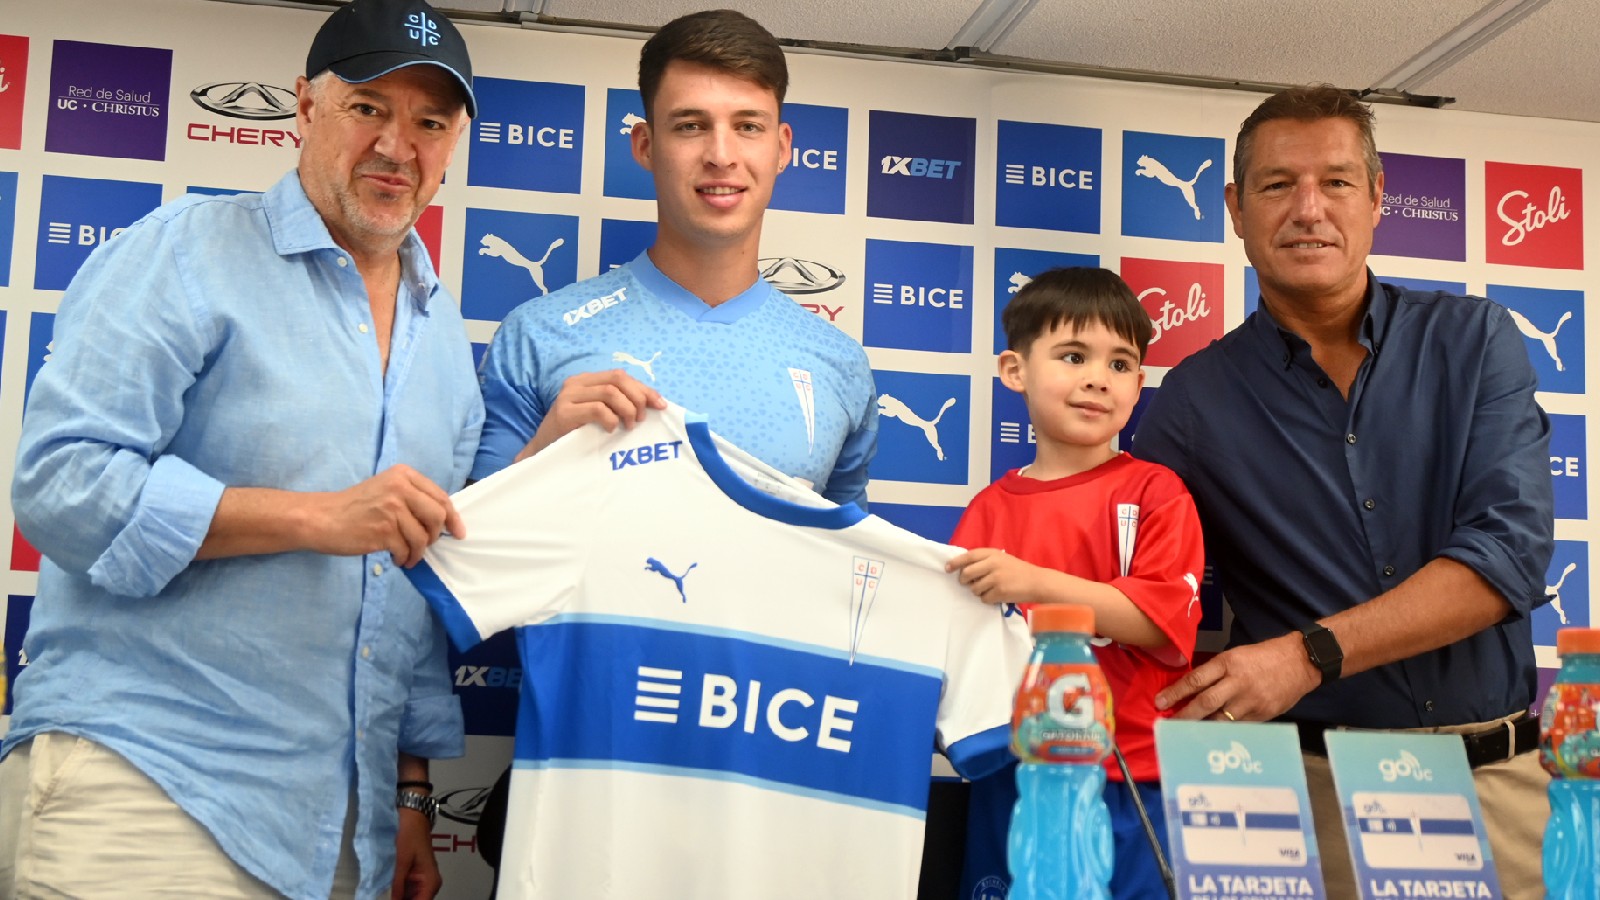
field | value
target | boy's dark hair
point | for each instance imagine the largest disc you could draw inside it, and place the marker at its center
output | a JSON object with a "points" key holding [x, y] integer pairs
{"points": [[720, 38], [1308, 104], [1075, 296]]}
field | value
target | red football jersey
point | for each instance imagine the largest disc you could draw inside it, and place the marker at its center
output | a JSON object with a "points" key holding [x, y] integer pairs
{"points": [[1127, 523]]}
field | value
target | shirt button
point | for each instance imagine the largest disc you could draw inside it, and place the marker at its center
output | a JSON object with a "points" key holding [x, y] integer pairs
{"points": [[362, 328], [360, 735], [1370, 504], [343, 262], [1349, 439], [1388, 570], [1322, 382], [366, 652], [1428, 705], [377, 569]]}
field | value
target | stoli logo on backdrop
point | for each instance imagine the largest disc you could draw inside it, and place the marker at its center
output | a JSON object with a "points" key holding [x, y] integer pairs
{"points": [[1184, 302], [1535, 216]]}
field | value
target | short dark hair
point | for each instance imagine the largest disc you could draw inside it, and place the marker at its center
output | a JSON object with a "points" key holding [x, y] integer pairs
{"points": [[1307, 104], [1075, 296], [720, 38]]}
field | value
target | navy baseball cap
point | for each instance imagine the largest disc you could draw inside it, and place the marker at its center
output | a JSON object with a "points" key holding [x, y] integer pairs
{"points": [[367, 39]]}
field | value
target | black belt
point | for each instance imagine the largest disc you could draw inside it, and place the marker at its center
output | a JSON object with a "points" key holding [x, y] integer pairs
{"points": [[1491, 745]]}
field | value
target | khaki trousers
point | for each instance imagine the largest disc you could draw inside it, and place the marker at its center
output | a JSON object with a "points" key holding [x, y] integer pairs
{"points": [[79, 821]]}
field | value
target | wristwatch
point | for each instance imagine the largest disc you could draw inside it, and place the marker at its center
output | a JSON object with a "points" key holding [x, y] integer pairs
{"points": [[422, 803], [1323, 649]]}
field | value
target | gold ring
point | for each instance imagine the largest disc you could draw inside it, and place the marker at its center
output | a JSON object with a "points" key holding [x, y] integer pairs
{"points": [[1229, 715]]}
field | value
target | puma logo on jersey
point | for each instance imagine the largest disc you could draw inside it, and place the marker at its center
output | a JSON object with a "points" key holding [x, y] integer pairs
{"points": [[893, 407], [651, 564], [622, 356]]}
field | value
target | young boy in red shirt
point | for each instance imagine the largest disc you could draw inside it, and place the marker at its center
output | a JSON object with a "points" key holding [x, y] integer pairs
{"points": [[1086, 524]]}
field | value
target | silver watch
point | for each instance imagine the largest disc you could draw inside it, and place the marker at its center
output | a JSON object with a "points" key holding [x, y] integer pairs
{"points": [[422, 803]]}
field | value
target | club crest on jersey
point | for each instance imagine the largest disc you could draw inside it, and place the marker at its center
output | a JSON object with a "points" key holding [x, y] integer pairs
{"points": [[651, 564], [867, 574], [595, 306], [808, 404], [646, 454]]}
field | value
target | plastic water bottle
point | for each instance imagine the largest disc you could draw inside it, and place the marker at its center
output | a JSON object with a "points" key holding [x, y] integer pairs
{"points": [[1569, 747], [1060, 842]]}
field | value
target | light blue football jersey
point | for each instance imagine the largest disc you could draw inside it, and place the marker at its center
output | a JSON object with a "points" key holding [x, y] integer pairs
{"points": [[783, 385]]}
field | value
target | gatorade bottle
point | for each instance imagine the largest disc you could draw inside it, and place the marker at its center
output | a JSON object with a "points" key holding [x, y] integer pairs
{"points": [[1569, 747], [1060, 842]]}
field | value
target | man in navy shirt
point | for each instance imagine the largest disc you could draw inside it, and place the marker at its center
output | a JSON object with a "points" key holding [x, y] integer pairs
{"points": [[1370, 468]]}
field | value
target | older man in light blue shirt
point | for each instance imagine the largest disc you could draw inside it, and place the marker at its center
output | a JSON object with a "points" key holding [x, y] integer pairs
{"points": [[254, 411]]}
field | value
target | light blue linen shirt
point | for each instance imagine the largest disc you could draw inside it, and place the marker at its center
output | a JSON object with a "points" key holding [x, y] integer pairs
{"points": [[228, 341]]}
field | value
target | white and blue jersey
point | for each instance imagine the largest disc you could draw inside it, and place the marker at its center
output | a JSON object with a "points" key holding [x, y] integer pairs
{"points": [[731, 686], [780, 383]]}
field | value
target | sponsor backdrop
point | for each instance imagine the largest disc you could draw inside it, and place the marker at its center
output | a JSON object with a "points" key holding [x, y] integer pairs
{"points": [[918, 200]]}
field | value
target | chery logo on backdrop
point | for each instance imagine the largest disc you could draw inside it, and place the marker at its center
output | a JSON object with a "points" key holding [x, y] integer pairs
{"points": [[1535, 216], [1184, 302]]}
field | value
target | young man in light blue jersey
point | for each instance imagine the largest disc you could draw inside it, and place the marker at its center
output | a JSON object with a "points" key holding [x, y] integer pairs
{"points": [[690, 319]]}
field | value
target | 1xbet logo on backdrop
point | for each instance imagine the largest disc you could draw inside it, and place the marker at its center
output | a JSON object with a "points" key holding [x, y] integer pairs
{"points": [[511, 257], [13, 85], [1172, 186], [486, 679], [1048, 177], [920, 167], [108, 100], [923, 423], [1424, 199], [1551, 322], [1014, 269], [919, 297], [1534, 216], [1566, 587], [814, 179], [77, 215], [528, 135], [1184, 302]]}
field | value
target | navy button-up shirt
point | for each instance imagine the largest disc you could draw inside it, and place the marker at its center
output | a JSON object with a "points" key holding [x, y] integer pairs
{"points": [[1313, 503]]}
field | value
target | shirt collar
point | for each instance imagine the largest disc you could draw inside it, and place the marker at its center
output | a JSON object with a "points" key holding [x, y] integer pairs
{"points": [[297, 227], [679, 297], [1287, 345]]}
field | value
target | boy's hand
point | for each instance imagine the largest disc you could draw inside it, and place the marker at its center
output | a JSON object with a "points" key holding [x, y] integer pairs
{"points": [[997, 577]]}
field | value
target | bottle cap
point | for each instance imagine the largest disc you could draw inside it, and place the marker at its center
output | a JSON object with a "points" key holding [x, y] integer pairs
{"points": [[1577, 640], [1062, 617]]}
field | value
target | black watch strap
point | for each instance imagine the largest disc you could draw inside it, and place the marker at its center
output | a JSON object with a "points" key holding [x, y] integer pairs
{"points": [[1323, 649]]}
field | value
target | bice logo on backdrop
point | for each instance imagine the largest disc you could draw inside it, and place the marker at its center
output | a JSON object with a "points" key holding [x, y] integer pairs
{"points": [[1172, 186], [1048, 177], [920, 166], [919, 297], [13, 85], [1424, 202], [528, 135], [1535, 216], [108, 100], [814, 178], [1184, 302], [77, 215], [1012, 443], [624, 176], [1569, 466], [1014, 269], [1551, 323], [510, 257], [1566, 588], [923, 423]]}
